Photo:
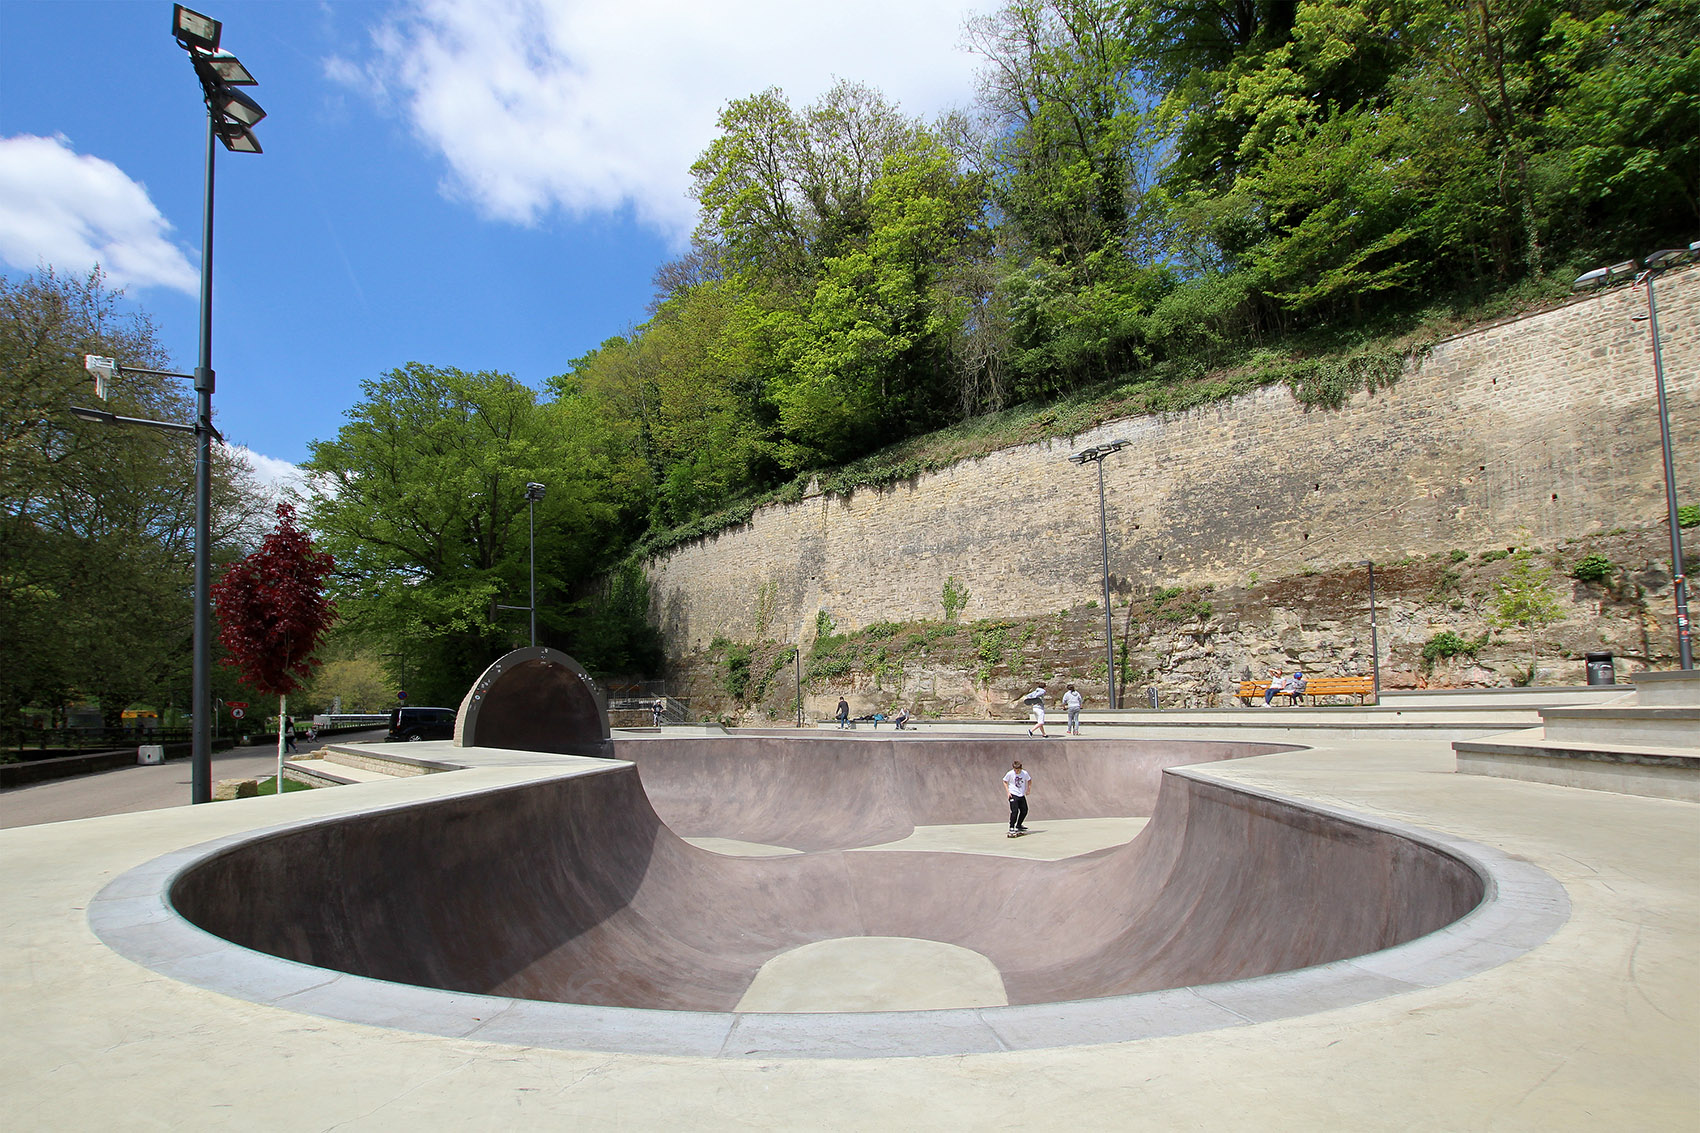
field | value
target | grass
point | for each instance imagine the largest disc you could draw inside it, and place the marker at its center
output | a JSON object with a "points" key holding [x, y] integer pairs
{"points": [[268, 785]]}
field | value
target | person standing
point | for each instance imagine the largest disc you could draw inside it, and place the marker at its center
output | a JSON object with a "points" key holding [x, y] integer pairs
{"points": [[1015, 785], [843, 713], [1037, 699], [289, 733], [1071, 704]]}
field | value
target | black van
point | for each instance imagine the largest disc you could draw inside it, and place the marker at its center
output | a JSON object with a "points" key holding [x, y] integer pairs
{"points": [[421, 724]]}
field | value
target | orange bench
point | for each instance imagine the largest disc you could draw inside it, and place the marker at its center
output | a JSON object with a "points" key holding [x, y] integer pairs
{"points": [[1359, 687]]}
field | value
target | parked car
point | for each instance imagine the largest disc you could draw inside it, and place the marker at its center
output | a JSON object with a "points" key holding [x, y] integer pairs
{"points": [[421, 724]]}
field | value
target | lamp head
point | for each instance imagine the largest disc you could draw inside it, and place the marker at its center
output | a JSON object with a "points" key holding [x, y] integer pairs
{"points": [[534, 491], [1672, 257], [1603, 277], [94, 416], [193, 30], [1098, 452]]}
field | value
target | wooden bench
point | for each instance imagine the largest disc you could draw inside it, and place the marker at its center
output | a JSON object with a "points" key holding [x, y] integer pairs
{"points": [[1359, 687]]}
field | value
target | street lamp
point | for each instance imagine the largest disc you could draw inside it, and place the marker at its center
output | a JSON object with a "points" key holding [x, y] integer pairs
{"points": [[1374, 639], [533, 493], [1654, 264], [230, 118], [1096, 455]]}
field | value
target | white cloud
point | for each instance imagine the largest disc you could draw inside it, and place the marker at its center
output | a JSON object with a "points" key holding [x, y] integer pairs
{"points": [[72, 211], [592, 106], [279, 477]]}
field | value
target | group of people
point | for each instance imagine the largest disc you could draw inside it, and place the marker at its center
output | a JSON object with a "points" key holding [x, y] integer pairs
{"points": [[899, 719], [1036, 701], [1292, 684]]}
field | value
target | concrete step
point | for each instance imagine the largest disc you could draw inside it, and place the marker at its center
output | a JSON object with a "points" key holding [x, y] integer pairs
{"points": [[324, 773], [364, 763], [1677, 689], [1539, 696], [1631, 725], [1631, 769]]}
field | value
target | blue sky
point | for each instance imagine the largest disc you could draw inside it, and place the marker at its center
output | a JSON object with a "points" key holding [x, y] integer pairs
{"points": [[485, 184]]}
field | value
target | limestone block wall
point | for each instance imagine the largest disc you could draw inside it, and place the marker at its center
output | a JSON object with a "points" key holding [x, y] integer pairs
{"points": [[1528, 431]]}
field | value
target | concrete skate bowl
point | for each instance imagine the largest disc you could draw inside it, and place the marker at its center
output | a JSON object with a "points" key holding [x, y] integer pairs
{"points": [[566, 912]]}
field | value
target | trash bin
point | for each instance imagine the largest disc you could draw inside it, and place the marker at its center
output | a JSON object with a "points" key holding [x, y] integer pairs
{"points": [[150, 753], [1601, 670]]}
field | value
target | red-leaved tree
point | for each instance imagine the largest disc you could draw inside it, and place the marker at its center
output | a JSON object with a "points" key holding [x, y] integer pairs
{"points": [[272, 614]]}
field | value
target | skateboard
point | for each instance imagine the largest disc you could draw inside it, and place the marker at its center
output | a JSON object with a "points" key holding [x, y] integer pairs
{"points": [[1018, 833]]}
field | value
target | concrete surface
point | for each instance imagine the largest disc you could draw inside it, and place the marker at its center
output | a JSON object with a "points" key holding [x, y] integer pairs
{"points": [[1597, 1025], [127, 790]]}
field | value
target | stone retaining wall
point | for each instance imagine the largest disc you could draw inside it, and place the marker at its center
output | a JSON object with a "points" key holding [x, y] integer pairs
{"points": [[1532, 430]]}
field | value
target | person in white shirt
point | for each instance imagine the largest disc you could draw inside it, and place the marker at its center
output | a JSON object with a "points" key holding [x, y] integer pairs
{"points": [[1015, 786], [1071, 703], [1037, 699]]}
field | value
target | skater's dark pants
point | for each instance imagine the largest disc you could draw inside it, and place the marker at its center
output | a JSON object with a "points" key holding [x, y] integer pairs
{"points": [[1017, 811]]}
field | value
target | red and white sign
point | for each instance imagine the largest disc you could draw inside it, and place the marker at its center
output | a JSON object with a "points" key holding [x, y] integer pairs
{"points": [[236, 714]]}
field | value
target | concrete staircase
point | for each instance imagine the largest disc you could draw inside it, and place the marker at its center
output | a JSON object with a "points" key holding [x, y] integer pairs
{"points": [[335, 765], [1644, 744]]}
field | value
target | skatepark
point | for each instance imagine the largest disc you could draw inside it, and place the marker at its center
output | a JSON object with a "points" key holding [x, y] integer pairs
{"points": [[1246, 926]]}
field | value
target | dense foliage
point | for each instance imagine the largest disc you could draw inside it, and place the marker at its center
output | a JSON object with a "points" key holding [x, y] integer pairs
{"points": [[96, 522], [1146, 192]]}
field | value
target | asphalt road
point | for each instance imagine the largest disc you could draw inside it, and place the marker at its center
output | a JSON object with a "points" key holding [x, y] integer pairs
{"points": [[129, 789]]}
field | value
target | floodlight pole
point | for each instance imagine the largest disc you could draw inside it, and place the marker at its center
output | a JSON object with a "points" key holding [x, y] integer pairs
{"points": [[533, 493], [1096, 455], [200, 751], [1685, 648], [1374, 637]]}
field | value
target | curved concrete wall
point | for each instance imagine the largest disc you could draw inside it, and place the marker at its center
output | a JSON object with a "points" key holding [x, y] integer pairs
{"points": [[573, 890]]}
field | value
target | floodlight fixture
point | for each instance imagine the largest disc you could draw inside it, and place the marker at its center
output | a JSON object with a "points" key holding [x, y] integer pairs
{"points": [[229, 69], [234, 106], [1606, 276], [193, 30], [238, 139], [1098, 452], [1673, 257], [534, 491]]}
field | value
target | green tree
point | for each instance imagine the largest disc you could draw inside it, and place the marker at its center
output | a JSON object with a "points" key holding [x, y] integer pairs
{"points": [[96, 522], [872, 360], [421, 500]]}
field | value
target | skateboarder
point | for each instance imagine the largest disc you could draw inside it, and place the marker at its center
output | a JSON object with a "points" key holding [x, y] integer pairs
{"points": [[1036, 700], [1015, 786]]}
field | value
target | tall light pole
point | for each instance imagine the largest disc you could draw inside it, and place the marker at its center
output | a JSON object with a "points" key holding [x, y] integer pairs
{"points": [[1656, 263], [533, 493], [230, 118], [1096, 455], [1374, 638]]}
